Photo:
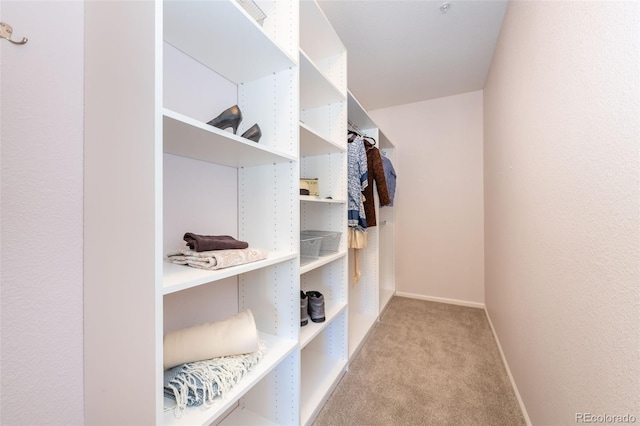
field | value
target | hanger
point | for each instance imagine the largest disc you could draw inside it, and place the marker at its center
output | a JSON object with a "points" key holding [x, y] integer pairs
{"points": [[352, 134]]}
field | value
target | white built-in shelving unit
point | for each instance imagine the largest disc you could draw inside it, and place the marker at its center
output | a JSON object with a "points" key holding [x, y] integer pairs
{"points": [[323, 155], [190, 60], [155, 170], [216, 51], [371, 294]]}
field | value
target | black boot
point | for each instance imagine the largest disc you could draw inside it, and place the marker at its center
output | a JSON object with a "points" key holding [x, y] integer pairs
{"points": [[304, 302], [316, 306]]}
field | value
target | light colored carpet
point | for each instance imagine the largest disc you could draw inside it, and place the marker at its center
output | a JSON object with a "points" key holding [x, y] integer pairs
{"points": [[425, 363]]}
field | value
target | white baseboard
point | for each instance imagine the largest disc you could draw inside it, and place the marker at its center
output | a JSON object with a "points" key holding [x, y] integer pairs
{"points": [[506, 366], [441, 300]]}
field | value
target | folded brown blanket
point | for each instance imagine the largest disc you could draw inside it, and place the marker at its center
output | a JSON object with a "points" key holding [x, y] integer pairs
{"points": [[212, 242]]}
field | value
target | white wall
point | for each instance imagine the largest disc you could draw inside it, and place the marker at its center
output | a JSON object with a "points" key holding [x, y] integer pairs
{"points": [[562, 198], [439, 200], [41, 214]]}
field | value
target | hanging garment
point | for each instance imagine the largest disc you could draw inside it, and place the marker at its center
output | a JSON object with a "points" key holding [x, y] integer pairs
{"points": [[375, 172], [357, 241], [390, 176], [357, 238], [357, 181]]}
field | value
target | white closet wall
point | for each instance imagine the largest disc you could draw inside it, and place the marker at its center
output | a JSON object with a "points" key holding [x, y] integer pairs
{"points": [[122, 215], [443, 193], [41, 209]]}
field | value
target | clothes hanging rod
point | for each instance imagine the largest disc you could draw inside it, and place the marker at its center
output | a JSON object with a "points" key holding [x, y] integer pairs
{"points": [[354, 127], [357, 130]]}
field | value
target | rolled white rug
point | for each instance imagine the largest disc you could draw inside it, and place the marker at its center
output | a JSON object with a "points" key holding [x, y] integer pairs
{"points": [[232, 336]]}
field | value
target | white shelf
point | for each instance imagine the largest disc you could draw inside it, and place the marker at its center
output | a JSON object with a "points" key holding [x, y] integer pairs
{"points": [[321, 261], [190, 138], [312, 329], [315, 88], [320, 373], [314, 199], [277, 350], [180, 277], [312, 143], [243, 417], [223, 37], [317, 36], [359, 116]]}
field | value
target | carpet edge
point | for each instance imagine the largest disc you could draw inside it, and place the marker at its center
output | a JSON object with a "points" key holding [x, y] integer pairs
{"points": [[506, 366]]}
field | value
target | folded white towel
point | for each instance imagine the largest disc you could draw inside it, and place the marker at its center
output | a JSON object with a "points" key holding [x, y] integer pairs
{"points": [[233, 336]]}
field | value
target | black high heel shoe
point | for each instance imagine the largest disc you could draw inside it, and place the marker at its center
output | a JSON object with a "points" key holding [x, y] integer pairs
{"points": [[253, 133], [231, 117]]}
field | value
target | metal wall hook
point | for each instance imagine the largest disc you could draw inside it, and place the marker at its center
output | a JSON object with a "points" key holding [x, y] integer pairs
{"points": [[5, 32]]}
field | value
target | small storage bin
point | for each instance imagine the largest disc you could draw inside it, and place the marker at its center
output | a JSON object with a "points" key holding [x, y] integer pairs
{"points": [[330, 240], [309, 248], [311, 184]]}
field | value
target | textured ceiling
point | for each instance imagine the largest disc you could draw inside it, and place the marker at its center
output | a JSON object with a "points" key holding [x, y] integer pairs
{"points": [[402, 51]]}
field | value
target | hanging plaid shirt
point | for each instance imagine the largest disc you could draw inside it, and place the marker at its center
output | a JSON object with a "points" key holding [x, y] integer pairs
{"points": [[357, 182]]}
